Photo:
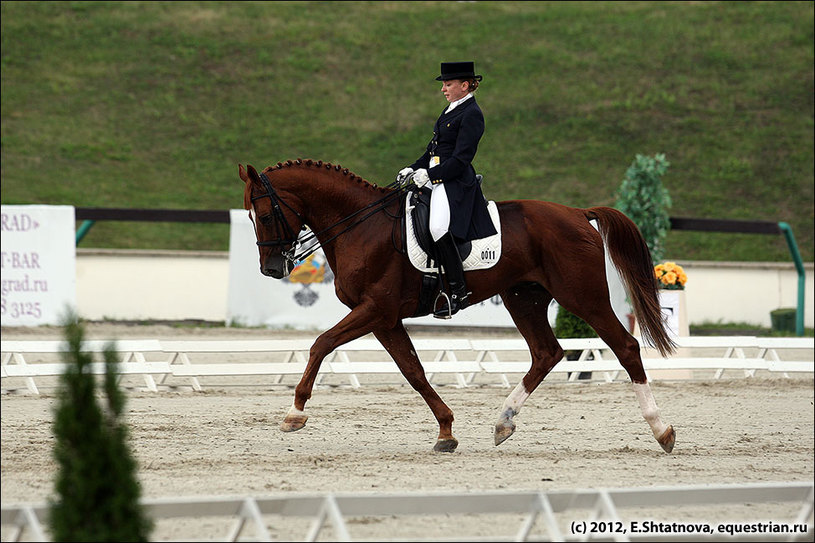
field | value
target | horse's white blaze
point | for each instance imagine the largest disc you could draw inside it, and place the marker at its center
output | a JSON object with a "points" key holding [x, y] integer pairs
{"points": [[649, 408], [514, 402], [252, 215]]}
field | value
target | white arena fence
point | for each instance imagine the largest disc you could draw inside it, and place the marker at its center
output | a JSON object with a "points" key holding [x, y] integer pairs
{"points": [[172, 363], [562, 515]]}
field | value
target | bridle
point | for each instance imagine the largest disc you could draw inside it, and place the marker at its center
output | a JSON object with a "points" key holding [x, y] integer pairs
{"points": [[286, 235]]}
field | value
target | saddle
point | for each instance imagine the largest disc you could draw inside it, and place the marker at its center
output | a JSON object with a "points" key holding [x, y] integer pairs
{"points": [[421, 250], [419, 200]]}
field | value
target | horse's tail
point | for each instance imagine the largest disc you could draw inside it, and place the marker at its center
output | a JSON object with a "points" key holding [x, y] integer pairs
{"points": [[631, 257]]}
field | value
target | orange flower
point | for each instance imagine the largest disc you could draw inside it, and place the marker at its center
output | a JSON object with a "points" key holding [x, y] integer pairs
{"points": [[671, 276]]}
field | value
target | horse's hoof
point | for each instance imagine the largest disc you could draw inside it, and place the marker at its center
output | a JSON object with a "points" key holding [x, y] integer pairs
{"points": [[503, 430], [446, 445], [668, 439], [291, 424]]}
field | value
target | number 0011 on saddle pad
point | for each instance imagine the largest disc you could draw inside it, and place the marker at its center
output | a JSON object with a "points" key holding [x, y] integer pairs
{"points": [[484, 254]]}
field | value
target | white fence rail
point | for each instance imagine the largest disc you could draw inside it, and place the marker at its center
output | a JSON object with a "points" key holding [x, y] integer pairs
{"points": [[564, 515], [163, 362]]}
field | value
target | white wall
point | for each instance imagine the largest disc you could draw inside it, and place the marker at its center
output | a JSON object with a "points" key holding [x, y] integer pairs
{"points": [[170, 285], [151, 285], [744, 291]]}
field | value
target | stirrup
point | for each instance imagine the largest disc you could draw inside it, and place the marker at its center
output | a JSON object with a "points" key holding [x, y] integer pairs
{"points": [[447, 312], [439, 313]]}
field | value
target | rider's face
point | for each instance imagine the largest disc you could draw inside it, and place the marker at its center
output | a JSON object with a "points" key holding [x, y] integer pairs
{"points": [[454, 89]]}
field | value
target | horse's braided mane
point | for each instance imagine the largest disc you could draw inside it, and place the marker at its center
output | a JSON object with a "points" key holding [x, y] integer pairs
{"points": [[309, 163]]}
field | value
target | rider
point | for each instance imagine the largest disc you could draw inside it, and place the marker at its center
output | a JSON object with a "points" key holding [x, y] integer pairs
{"points": [[457, 205]]}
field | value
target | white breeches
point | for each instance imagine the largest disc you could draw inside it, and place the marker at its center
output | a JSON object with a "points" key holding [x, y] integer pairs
{"points": [[439, 212]]}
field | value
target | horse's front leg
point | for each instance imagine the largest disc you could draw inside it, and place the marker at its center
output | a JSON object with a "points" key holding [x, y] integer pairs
{"points": [[356, 324], [398, 344]]}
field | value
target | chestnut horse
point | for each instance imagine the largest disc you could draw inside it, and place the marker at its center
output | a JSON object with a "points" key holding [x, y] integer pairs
{"points": [[548, 251]]}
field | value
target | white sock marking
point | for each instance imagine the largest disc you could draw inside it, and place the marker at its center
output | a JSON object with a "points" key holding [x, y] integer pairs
{"points": [[515, 401], [649, 408], [294, 412]]}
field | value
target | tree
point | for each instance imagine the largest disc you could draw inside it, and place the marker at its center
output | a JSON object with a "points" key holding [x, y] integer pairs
{"points": [[645, 201], [97, 493]]}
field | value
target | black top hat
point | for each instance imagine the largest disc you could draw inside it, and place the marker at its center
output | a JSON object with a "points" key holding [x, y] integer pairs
{"points": [[458, 70]]}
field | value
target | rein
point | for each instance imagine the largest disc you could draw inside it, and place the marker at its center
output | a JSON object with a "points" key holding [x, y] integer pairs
{"points": [[296, 241]]}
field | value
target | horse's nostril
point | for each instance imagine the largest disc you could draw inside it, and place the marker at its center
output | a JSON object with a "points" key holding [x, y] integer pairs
{"points": [[272, 270]]}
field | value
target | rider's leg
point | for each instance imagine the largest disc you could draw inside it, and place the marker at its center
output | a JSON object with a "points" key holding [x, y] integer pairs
{"points": [[447, 251], [439, 211]]}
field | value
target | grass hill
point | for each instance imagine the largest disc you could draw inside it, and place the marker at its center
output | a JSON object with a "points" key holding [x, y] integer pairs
{"points": [[154, 104]]}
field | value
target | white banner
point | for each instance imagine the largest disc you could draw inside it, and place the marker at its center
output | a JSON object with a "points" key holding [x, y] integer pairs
{"points": [[38, 264]]}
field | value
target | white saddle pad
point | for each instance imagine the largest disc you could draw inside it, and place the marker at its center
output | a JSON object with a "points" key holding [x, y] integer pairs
{"points": [[484, 254]]}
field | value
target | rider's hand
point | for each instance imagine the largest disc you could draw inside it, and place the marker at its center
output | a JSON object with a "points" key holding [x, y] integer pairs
{"points": [[403, 175], [421, 178]]}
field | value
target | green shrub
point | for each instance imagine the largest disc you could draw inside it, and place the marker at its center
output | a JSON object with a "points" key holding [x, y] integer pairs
{"points": [[646, 202], [569, 325], [97, 493]]}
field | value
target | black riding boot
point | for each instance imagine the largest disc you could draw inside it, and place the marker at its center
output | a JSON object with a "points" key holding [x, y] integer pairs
{"points": [[451, 262]]}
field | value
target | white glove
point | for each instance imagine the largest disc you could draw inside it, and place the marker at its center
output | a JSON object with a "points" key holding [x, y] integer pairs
{"points": [[421, 178], [403, 175]]}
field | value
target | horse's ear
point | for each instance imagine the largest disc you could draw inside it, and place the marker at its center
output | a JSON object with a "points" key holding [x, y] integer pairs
{"points": [[242, 173], [252, 173]]}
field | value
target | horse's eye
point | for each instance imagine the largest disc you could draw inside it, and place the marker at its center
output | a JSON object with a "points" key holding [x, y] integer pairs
{"points": [[266, 219]]}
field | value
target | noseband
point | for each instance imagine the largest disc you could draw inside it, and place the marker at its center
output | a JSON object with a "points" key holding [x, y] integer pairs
{"points": [[288, 236]]}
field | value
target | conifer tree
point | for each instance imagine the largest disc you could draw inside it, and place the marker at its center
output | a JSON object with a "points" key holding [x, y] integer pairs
{"points": [[644, 199], [96, 490]]}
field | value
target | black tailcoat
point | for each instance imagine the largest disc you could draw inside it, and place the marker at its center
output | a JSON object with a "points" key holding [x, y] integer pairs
{"points": [[455, 142]]}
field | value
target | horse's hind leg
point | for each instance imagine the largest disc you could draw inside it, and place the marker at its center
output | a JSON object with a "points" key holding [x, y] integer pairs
{"points": [[528, 305], [602, 318], [397, 342], [665, 435], [627, 350]]}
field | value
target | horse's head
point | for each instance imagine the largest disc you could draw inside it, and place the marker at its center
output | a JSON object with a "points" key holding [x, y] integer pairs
{"points": [[276, 223]]}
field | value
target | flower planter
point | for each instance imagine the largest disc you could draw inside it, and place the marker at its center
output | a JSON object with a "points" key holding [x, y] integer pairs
{"points": [[675, 310]]}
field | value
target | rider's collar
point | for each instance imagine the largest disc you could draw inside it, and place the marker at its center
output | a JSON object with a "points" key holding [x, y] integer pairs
{"points": [[453, 105]]}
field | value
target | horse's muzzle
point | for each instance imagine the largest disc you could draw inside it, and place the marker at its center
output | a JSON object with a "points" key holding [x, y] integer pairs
{"points": [[276, 274], [277, 266]]}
